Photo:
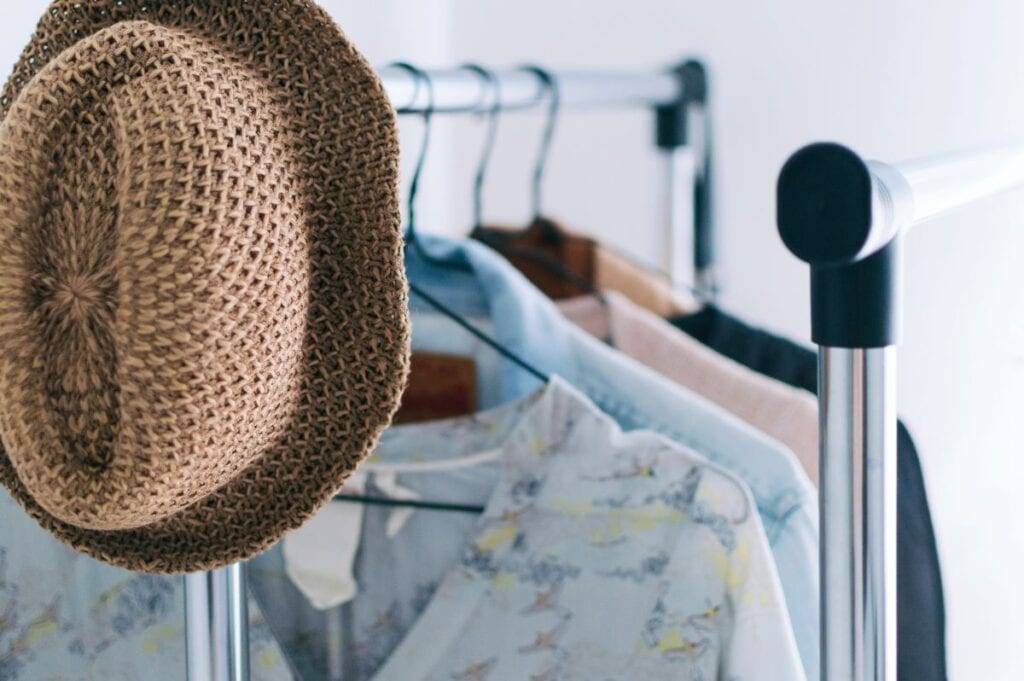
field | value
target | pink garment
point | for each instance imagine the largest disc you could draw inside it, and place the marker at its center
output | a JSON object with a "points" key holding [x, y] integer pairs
{"points": [[786, 414]]}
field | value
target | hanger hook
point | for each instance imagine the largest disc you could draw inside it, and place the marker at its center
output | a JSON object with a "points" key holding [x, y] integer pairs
{"points": [[493, 87], [423, 80], [549, 84]]}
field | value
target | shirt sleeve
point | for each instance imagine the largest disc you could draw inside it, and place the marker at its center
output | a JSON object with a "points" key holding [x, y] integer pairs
{"points": [[757, 638], [795, 553]]}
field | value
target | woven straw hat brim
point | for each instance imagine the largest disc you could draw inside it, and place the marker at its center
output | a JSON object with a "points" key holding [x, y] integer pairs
{"points": [[355, 344]]}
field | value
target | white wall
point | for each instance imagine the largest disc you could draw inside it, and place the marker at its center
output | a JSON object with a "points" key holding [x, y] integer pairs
{"points": [[895, 79]]}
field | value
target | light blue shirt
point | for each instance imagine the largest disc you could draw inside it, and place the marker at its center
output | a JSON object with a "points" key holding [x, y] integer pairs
{"points": [[521, 318]]}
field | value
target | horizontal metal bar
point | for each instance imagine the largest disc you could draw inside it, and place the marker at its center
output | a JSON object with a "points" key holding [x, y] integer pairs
{"points": [[942, 183], [458, 90], [835, 207]]}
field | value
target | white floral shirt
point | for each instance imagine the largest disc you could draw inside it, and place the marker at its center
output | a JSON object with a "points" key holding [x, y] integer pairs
{"points": [[601, 556]]}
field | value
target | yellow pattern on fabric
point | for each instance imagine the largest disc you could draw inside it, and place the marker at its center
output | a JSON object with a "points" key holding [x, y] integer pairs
{"points": [[42, 628], [648, 518], [495, 538], [161, 634], [503, 581], [268, 659], [673, 642], [573, 509], [108, 597], [734, 569]]}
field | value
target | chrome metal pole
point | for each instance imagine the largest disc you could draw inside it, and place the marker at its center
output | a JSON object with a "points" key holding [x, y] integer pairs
{"points": [[203, 637], [217, 625], [858, 513], [678, 252], [238, 621]]}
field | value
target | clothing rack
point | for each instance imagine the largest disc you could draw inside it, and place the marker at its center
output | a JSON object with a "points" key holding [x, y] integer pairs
{"points": [[846, 217], [678, 98], [216, 618]]}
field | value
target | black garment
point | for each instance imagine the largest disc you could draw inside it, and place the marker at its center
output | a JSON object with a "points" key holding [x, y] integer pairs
{"points": [[920, 607]]}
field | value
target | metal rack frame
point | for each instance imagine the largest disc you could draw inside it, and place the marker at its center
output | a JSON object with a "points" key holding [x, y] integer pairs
{"points": [[216, 617], [846, 217]]}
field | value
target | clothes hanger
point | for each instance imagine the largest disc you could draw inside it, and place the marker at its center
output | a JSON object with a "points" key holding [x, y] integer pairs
{"points": [[545, 231], [422, 79], [410, 503], [493, 118], [541, 229], [548, 82], [412, 240]]}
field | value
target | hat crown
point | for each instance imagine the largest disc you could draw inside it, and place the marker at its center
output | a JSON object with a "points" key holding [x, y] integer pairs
{"points": [[154, 279], [340, 285]]}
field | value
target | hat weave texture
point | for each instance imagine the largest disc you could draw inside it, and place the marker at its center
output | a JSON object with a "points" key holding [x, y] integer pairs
{"points": [[203, 318]]}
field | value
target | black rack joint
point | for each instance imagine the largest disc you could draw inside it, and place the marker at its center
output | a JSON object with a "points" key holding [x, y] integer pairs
{"points": [[825, 211]]}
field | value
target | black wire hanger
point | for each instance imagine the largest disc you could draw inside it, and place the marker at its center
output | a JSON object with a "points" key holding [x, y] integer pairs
{"points": [[412, 238], [493, 118], [549, 232], [422, 79], [548, 83], [413, 241], [473, 509]]}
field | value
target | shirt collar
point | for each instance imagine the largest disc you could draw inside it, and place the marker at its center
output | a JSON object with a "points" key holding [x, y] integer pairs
{"points": [[489, 287]]}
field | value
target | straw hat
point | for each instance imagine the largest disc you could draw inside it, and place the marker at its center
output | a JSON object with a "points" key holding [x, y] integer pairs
{"points": [[203, 322]]}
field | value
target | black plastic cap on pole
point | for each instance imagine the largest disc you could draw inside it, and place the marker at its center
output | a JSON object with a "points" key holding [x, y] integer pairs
{"points": [[824, 215], [672, 125], [824, 206]]}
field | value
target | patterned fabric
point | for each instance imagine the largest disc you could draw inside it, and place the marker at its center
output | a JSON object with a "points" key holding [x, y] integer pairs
{"points": [[488, 288], [396, 577], [67, 617], [600, 555]]}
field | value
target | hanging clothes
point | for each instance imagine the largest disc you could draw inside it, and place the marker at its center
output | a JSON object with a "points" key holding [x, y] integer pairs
{"points": [[764, 352], [650, 290], [64, 615], [547, 254], [585, 522], [564, 265], [790, 415], [395, 576], [520, 317], [786, 414], [581, 521], [920, 606]]}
